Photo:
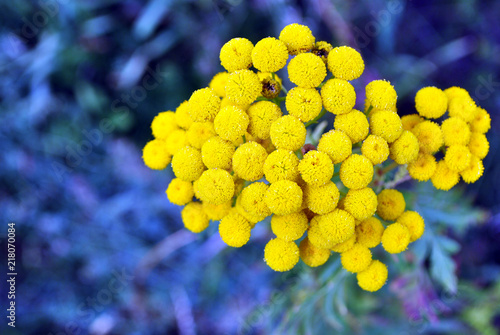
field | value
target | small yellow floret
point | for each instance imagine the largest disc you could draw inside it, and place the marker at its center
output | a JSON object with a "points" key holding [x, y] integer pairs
{"points": [[321, 199], [252, 199], [462, 107], [356, 259], [354, 124], [457, 157], [194, 218], [182, 115], [455, 131], [177, 140], [316, 235], [262, 114], [396, 238], [269, 55], [481, 122], [404, 150], [306, 70], [312, 255], [374, 277], [234, 230], [199, 133], [217, 153], [346, 245], [217, 212], [236, 54], [248, 161], [391, 204], [284, 197], [381, 95], [155, 155], [415, 224], [288, 133], [387, 125], [281, 255], [429, 135], [187, 164], [281, 165], [455, 92], [316, 168], [474, 171], [410, 121], [356, 172], [479, 145], [361, 204], [376, 149], [345, 63], [231, 123], [289, 227], [337, 226], [243, 87], [423, 167], [337, 145], [431, 102], [163, 125], [338, 96], [204, 105], [444, 178], [216, 186], [180, 192], [369, 232], [297, 38], [304, 103], [218, 83]]}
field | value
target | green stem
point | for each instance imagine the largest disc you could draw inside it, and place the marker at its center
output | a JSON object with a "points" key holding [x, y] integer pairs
{"points": [[342, 193], [273, 75], [283, 88], [323, 112], [368, 110], [389, 167], [244, 139], [336, 174]]}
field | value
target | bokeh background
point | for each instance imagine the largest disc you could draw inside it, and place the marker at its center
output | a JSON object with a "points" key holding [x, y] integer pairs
{"points": [[100, 250]]}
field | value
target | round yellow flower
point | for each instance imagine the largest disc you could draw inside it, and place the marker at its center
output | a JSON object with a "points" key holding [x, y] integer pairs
{"points": [[337, 226], [269, 55], [322, 49], [391, 204], [194, 218], [252, 199], [462, 107], [243, 87], [338, 96], [199, 133], [216, 186], [457, 157], [423, 167], [218, 83], [429, 135], [289, 227], [180, 192], [182, 117], [361, 204], [346, 245], [410, 121], [444, 178], [297, 38], [369, 232], [404, 150], [316, 235], [356, 259], [262, 114], [248, 161], [217, 212], [155, 155], [234, 230], [431, 102], [321, 199], [354, 124], [316, 168], [288, 133], [304, 103], [376, 149], [395, 238], [455, 91], [281, 255], [163, 125], [236, 54], [312, 255], [187, 164], [281, 165], [414, 222], [479, 145], [231, 123], [381, 95], [356, 172], [336, 144], [455, 131], [387, 125], [177, 140], [252, 218], [345, 63], [481, 122], [217, 153], [374, 277], [474, 171], [204, 105], [306, 70], [284, 197]]}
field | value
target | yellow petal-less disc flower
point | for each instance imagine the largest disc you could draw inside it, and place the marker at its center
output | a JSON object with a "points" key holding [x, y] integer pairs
{"points": [[387, 125], [316, 235], [336, 144], [423, 167], [354, 124], [284, 197], [322, 49], [194, 218], [289, 227], [306, 70], [248, 161], [462, 107], [217, 153], [155, 155], [204, 105], [182, 117], [444, 178], [391, 204], [262, 114], [288, 133], [231, 123], [345, 63], [187, 164], [381, 94], [479, 145], [235, 230], [356, 172], [281, 165], [376, 149], [176, 141], [316, 168], [180, 192], [410, 121], [457, 157], [481, 122], [338, 96], [455, 92], [356, 259], [297, 38], [269, 55], [252, 218], [163, 125], [321, 199], [312, 255], [304, 103], [405, 149], [346, 245], [369, 232], [217, 212], [337, 226], [361, 204], [236, 54], [431, 102], [474, 171], [243, 87], [281, 255], [199, 133], [455, 131], [374, 277], [218, 83], [252, 199], [216, 186], [395, 238], [415, 224], [429, 135]]}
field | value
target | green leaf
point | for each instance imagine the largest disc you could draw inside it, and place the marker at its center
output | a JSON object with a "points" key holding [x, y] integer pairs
{"points": [[443, 267]]}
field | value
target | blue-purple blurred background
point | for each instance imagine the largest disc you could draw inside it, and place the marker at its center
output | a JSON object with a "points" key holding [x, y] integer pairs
{"points": [[99, 248]]}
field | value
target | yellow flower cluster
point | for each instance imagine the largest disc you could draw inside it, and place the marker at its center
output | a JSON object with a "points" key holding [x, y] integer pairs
{"points": [[241, 153]]}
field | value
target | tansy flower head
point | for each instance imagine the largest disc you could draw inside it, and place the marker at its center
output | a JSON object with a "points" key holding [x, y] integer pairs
{"points": [[321, 199], [345, 63], [217, 212], [182, 117], [217, 153], [216, 186], [369, 232], [199, 133], [374, 277], [271, 88], [404, 150], [218, 84], [381, 94], [444, 178], [288, 133], [243, 87], [316, 168], [289, 227], [410, 121], [455, 92], [194, 218], [462, 107], [481, 122], [163, 125], [316, 235], [155, 155], [479, 145], [361, 204], [187, 164], [431, 102], [336, 144], [338, 96], [236, 54], [297, 38], [356, 259], [346, 245], [354, 124], [177, 140], [376, 149], [429, 135], [387, 125], [269, 55], [284, 197], [281, 255], [262, 114], [414, 222], [252, 199], [423, 167], [304, 103], [307, 70], [457, 157], [312, 255], [391, 204], [252, 218], [356, 172], [322, 49], [231, 123], [281, 165], [204, 105], [248, 161], [474, 171], [234, 230], [396, 238], [337, 226], [180, 192], [455, 131]]}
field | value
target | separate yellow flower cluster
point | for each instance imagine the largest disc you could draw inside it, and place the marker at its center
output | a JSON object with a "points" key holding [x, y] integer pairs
{"points": [[239, 159]]}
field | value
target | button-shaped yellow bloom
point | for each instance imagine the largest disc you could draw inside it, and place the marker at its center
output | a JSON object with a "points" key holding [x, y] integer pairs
{"points": [[405, 149], [312, 255], [354, 124], [455, 91], [163, 125], [387, 125], [410, 121], [218, 83], [345, 63], [284, 197], [304, 103], [261, 115], [423, 167], [269, 55], [289, 227], [415, 224], [391, 204], [338, 96], [356, 259], [479, 145], [381, 94], [462, 107], [338, 226], [431, 102], [281, 255], [216, 186], [396, 238], [346, 245], [316, 168], [252, 218], [474, 171], [187, 164], [429, 135], [336, 144], [176, 141], [281, 165], [217, 212], [321, 199], [361, 204], [356, 172], [455, 131], [376, 149], [199, 133], [444, 178], [457, 157], [155, 155], [236, 54], [243, 87], [248, 161], [316, 235], [182, 115], [369, 232], [234, 230], [288, 133], [217, 153], [306, 70], [231, 123], [194, 218], [374, 277], [204, 105], [297, 38], [180, 192], [252, 199], [481, 122]]}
